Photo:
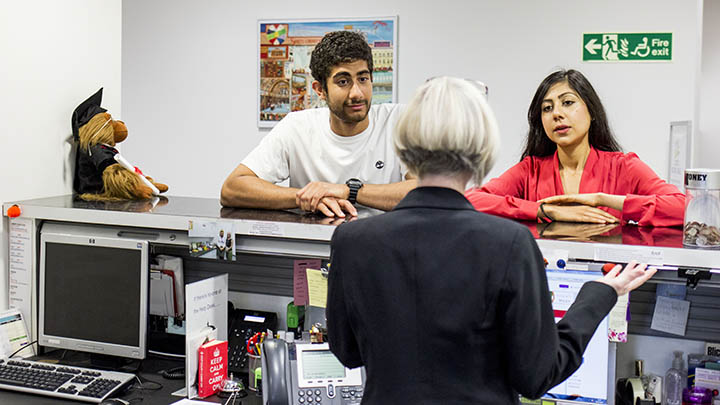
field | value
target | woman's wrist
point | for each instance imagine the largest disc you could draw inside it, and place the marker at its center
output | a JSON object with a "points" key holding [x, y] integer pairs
{"points": [[544, 213], [611, 201]]}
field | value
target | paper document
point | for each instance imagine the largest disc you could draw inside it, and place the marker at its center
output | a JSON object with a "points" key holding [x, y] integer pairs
{"points": [[617, 320], [162, 294], [20, 265], [317, 288], [175, 265], [670, 315], [14, 334], [300, 285]]}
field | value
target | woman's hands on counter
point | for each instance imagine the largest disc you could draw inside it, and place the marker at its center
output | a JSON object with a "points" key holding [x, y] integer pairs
{"points": [[576, 213], [590, 199], [582, 207]]}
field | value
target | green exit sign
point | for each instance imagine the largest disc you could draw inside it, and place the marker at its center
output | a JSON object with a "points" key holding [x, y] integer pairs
{"points": [[619, 47]]}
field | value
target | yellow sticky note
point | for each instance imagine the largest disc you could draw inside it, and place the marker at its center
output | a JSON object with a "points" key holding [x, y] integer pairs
{"points": [[317, 288]]}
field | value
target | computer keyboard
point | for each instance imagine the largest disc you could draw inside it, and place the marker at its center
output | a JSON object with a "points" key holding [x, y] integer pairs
{"points": [[75, 383]]}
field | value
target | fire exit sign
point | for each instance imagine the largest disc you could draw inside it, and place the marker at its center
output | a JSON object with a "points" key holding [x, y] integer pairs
{"points": [[619, 47]]}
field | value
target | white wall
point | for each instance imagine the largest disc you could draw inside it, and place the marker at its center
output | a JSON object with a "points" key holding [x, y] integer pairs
{"points": [[708, 132], [53, 55], [190, 86]]}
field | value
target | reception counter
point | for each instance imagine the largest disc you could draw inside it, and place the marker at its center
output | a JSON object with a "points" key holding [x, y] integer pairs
{"points": [[267, 242]]}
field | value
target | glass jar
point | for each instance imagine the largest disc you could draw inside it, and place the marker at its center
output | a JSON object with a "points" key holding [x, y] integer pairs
{"points": [[702, 208], [696, 396]]}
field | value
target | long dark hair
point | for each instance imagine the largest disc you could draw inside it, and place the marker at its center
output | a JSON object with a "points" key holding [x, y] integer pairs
{"points": [[599, 136]]}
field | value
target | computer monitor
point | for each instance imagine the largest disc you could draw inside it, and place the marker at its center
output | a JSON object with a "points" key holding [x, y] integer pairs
{"points": [[93, 293], [592, 382]]}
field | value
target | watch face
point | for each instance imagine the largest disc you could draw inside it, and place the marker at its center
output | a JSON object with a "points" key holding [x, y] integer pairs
{"points": [[354, 183]]}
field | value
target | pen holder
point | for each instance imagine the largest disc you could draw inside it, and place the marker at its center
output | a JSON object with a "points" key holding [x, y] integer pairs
{"points": [[254, 372]]}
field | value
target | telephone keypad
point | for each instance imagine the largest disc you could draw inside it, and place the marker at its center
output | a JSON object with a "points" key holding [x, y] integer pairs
{"points": [[351, 393], [310, 396], [239, 331]]}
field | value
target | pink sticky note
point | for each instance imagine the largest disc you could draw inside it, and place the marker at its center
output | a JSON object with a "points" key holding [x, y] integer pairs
{"points": [[300, 287]]}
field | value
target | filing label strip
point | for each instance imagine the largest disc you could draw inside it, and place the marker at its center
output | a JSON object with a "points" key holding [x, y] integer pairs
{"points": [[20, 263]]}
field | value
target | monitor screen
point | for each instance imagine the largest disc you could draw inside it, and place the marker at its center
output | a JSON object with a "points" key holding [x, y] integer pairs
{"points": [[321, 364], [91, 292], [583, 385], [93, 295]]}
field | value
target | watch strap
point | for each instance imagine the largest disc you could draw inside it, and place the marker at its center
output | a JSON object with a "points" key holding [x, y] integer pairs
{"points": [[354, 186]]}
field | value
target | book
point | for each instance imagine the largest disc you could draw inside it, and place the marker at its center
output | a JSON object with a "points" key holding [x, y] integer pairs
{"points": [[212, 367]]}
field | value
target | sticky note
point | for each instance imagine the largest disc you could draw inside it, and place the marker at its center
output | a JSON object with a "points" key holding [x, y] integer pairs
{"points": [[317, 288], [300, 292], [670, 315]]}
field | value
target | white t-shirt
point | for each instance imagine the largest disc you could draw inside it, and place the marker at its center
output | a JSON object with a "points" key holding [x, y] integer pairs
{"points": [[303, 147]]}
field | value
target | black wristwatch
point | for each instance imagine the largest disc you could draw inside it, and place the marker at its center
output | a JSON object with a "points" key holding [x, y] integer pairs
{"points": [[354, 185]]}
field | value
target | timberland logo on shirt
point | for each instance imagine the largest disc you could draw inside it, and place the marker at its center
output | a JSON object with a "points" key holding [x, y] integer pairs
{"points": [[379, 164], [691, 177]]}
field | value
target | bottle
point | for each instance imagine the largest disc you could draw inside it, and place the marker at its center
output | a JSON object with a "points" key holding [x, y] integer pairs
{"points": [[675, 380]]}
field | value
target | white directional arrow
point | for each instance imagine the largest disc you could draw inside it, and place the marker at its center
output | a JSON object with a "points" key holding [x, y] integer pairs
{"points": [[591, 46]]}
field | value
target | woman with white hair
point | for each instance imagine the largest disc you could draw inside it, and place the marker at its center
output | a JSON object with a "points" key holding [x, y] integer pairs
{"points": [[444, 304]]}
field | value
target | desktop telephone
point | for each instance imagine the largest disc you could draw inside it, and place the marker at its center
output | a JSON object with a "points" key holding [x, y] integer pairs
{"points": [[307, 373], [243, 323]]}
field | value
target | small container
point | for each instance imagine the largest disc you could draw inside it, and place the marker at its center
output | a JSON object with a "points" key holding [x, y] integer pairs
{"points": [[254, 372], [675, 380], [696, 396], [702, 208]]}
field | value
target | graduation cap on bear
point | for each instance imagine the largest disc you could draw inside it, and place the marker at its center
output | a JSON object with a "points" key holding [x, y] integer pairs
{"points": [[85, 111]]}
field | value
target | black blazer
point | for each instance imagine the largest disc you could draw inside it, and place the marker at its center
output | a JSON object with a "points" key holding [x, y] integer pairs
{"points": [[444, 304]]}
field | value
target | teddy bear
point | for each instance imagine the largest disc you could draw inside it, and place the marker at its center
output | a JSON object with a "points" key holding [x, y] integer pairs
{"points": [[101, 173]]}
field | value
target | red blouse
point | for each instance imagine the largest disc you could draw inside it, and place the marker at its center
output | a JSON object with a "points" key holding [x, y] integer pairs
{"points": [[649, 201]]}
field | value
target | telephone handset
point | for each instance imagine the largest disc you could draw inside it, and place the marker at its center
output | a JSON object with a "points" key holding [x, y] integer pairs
{"points": [[307, 373], [276, 372]]}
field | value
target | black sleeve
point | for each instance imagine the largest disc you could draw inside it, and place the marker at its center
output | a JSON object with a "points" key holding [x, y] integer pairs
{"points": [[540, 353], [341, 337], [102, 157]]}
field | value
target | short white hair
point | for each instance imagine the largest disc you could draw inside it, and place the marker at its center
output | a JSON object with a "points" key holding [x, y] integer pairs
{"points": [[448, 128]]}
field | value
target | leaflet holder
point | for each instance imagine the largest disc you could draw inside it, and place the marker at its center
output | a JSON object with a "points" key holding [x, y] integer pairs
{"points": [[693, 276]]}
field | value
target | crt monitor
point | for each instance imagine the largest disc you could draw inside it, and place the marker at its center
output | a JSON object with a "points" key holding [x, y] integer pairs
{"points": [[93, 291]]}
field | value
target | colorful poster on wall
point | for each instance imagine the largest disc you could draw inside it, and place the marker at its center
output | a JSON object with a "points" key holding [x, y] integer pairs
{"points": [[285, 46]]}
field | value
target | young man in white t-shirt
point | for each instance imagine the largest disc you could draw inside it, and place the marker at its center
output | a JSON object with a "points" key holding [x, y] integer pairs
{"points": [[333, 156]]}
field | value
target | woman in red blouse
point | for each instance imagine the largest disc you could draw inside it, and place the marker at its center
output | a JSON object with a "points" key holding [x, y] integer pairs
{"points": [[572, 168]]}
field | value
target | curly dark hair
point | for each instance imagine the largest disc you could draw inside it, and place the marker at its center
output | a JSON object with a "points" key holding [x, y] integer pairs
{"points": [[600, 136], [335, 48]]}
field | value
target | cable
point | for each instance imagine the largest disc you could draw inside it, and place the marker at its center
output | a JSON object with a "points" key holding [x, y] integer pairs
{"points": [[177, 356], [175, 373], [158, 387], [22, 348]]}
